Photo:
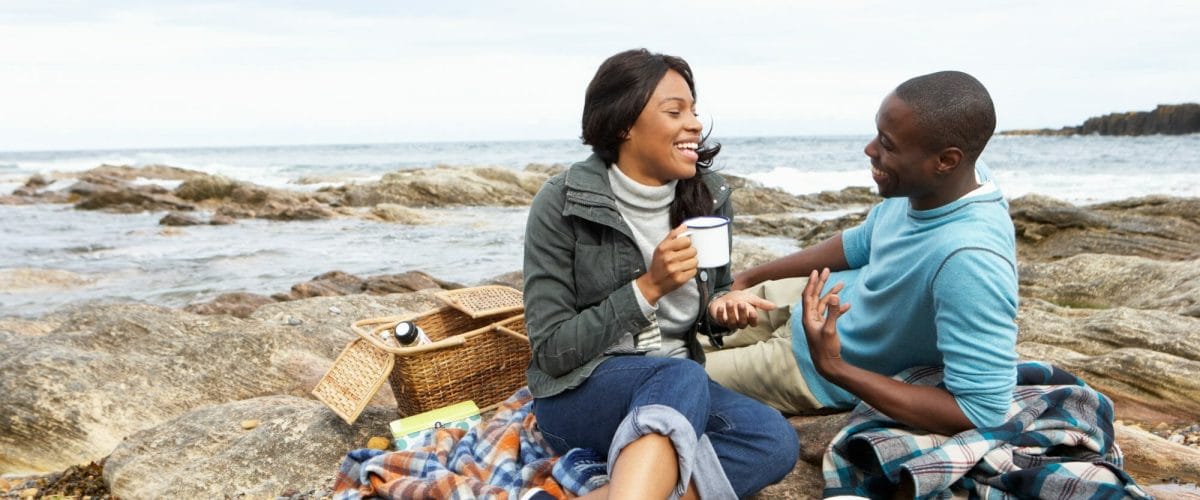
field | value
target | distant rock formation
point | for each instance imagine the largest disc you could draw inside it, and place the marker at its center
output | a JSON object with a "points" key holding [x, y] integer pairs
{"points": [[1167, 119]]}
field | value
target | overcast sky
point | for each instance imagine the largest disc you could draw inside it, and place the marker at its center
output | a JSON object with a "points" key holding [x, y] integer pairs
{"points": [[90, 74]]}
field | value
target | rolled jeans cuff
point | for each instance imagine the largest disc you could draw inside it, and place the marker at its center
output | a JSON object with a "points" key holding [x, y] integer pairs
{"points": [[698, 461]]}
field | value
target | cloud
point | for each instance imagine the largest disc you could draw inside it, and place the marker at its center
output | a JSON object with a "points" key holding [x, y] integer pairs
{"points": [[208, 73]]}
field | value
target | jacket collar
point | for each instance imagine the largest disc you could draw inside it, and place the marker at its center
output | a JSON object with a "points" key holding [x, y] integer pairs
{"points": [[587, 183]]}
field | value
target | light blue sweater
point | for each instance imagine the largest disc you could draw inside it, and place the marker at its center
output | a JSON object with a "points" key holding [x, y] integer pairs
{"points": [[934, 287]]}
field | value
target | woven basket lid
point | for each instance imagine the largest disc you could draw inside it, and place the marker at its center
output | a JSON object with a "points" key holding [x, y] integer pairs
{"points": [[356, 375], [481, 301]]}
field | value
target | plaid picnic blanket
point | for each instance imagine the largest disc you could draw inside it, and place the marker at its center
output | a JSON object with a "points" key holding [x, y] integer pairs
{"points": [[1057, 442], [498, 459]]}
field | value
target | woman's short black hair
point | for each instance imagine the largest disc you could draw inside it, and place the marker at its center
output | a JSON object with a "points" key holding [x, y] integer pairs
{"points": [[615, 98]]}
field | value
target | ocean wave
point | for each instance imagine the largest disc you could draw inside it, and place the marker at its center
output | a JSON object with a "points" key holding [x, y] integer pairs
{"points": [[796, 181]]}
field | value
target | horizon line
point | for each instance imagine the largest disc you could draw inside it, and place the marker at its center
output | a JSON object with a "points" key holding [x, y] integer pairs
{"points": [[382, 143]]}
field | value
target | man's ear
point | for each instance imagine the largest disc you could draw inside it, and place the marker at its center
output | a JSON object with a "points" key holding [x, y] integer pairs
{"points": [[949, 159]]}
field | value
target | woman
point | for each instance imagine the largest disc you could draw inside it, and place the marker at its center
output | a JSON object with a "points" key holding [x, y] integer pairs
{"points": [[614, 299]]}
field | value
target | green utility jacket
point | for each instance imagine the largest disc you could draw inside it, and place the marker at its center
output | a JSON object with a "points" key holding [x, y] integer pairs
{"points": [[580, 263]]}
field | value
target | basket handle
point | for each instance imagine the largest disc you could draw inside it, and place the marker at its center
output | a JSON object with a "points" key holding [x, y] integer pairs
{"points": [[510, 332], [380, 324]]}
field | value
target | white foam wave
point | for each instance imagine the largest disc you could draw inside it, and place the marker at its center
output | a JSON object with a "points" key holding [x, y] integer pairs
{"points": [[1096, 188], [168, 184], [796, 181], [1076, 188]]}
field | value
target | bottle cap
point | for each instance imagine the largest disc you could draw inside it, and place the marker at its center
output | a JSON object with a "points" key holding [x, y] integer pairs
{"points": [[406, 332]]}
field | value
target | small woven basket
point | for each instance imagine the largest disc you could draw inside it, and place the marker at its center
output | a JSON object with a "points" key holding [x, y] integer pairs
{"points": [[482, 359]]}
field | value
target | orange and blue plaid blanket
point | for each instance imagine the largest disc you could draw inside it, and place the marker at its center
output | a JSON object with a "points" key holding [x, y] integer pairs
{"points": [[498, 459], [1057, 443]]}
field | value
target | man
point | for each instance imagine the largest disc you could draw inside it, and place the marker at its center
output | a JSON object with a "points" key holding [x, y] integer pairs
{"points": [[931, 274]]}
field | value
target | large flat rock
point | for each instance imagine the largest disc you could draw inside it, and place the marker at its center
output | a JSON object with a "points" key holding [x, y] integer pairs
{"points": [[296, 445], [70, 395]]}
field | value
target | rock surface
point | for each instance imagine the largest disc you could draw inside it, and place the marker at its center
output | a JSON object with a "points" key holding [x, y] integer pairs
{"points": [[446, 186], [106, 372], [236, 304], [805, 231], [1147, 361], [400, 214], [391, 199], [751, 198], [29, 279], [298, 445], [1103, 281], [330, 284], [1157, 227], [179, 219]]}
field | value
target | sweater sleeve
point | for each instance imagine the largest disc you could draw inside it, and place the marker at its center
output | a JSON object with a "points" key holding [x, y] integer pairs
{"points": [[975, 298], [563, 337]]}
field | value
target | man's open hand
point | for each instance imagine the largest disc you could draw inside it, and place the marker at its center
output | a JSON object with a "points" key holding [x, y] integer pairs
{"points": [[820, 319]]}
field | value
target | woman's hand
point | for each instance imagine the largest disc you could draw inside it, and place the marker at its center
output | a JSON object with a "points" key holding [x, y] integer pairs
{"points": [[820, 321], [738, 309], [673, 264]]}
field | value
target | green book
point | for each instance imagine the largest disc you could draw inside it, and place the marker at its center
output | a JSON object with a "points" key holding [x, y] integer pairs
{"points": [[414, 432]]}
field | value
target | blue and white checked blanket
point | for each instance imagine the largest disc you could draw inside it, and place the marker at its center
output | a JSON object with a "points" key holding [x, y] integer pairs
{"points": [[1057, 443]]}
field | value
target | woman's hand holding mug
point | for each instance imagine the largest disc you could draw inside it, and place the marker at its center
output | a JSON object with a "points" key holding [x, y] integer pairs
{"points": [[673, 264]]}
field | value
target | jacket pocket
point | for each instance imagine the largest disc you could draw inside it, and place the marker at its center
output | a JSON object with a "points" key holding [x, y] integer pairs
{"points": [[595, 273]]}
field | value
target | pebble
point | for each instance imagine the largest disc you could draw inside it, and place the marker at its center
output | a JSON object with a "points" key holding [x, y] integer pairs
{"points": [[249, 424], [1185, 434], [334, 310], [29, 493], [379, 443], [292, 321]]}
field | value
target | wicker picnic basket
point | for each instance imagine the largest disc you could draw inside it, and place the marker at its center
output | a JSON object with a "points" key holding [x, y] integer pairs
{"points": [[479, 352]]}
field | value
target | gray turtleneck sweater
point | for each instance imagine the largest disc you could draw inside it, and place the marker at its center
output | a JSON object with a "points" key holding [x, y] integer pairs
{"points": [[646, 210]]}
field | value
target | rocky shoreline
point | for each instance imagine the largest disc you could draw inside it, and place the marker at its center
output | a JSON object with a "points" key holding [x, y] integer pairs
{"points": [[1167, 119], [141, 401]]}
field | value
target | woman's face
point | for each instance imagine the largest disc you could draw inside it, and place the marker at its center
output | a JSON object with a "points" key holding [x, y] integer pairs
{"points": [[661, 145]]}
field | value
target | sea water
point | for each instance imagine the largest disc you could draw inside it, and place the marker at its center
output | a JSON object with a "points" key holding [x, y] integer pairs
{"points": [[129, 257]]}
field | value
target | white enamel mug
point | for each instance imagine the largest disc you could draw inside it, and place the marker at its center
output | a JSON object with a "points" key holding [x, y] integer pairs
{"points": [[710, 238]]}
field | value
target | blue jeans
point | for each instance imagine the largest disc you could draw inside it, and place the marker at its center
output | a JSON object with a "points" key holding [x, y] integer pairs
{"points": [[629, 396]]}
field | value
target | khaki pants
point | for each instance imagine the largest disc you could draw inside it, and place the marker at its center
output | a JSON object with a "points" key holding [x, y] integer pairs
{"points": [[757, 361]]}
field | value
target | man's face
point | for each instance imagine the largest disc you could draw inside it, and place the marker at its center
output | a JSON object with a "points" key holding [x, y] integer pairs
{"points": [[900, 165]]}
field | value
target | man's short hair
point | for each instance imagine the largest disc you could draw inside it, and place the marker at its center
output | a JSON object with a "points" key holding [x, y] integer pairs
{"points": [[952, 110]]}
